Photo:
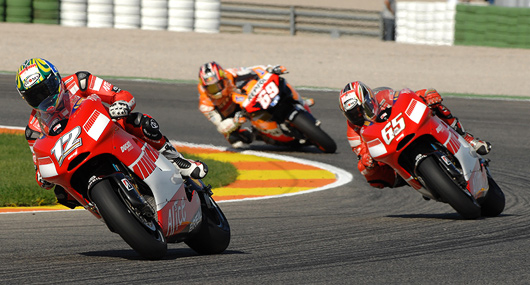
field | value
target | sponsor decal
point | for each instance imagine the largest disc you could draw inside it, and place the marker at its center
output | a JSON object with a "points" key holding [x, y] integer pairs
{"points": [[107, 86], [126, 146], [31, 80], [97, 84], [46, 167], [127, 184], [176, 216], [376, 148], [415, 110], [96, 124]]}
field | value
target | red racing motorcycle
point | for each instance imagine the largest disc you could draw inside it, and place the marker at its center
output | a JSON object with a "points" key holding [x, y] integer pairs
{"points": [[126, 183], [433, 158]]}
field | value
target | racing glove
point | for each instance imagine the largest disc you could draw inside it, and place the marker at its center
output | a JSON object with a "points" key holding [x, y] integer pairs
{"points": [[240, 118], [431, 97], [229, 125], [119, 109], [367, 160], [276, 69], [43, 183]]}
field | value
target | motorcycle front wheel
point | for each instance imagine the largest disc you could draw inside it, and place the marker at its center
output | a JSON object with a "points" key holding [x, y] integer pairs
{"points": [[150, 244], [437, 180], [314, 133]]}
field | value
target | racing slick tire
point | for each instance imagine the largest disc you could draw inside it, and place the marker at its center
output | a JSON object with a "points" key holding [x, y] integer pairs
{"points": [[315, 134], [437, 180], [148, 243]]}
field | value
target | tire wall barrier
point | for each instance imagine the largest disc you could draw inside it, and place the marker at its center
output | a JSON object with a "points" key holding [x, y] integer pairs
{"points": [[443, 23], [505, 24], [425, 22], [174, 15], [492, 26]]}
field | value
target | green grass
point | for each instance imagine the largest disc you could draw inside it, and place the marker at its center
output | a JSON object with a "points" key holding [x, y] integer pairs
{"points": [[17, 174], [219, 173]]}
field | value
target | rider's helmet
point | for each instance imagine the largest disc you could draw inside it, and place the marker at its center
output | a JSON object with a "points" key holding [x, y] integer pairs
{"points": [[40, 84], [213, 79], [357, 102]]}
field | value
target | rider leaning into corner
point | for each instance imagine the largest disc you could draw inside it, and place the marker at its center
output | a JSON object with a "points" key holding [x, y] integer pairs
{"points": [[362, 105], [40, 84], [216, 86]]}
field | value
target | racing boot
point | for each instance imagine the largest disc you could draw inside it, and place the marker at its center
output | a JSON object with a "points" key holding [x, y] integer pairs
{"points": [[480, 146], [186, 167]]}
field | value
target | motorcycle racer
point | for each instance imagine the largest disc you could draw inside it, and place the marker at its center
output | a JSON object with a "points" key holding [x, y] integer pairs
{"points": [[216, 86], [361, 106], [40, 84]]}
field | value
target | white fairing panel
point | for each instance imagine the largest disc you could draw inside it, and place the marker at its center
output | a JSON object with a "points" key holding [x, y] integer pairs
{"points": [[474, 173], [165, 181]]}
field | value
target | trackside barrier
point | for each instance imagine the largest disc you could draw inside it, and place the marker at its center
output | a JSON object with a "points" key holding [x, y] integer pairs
{"points": [[505, 24], [492, 26], [425, 22], [292, 20]]}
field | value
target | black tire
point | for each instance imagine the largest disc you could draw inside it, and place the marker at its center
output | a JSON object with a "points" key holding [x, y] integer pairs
{"points": [[214, 235], [315, 134], [494, 202], [149, 244], [439, 181]]}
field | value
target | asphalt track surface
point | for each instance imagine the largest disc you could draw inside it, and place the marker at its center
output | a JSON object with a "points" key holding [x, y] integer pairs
{"points": [[352, 234]]}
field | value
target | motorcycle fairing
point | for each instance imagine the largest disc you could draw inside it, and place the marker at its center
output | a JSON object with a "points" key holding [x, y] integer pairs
{"points": [[387, 139], [175, 212], [59, 157]]}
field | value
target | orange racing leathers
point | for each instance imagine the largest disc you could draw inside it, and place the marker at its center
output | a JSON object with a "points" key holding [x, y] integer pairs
{"points": [[217, 110]]}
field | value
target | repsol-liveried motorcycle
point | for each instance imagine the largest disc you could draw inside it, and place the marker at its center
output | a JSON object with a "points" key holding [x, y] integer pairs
{"points": [[122, 180], [277, 117], [433, 158]]}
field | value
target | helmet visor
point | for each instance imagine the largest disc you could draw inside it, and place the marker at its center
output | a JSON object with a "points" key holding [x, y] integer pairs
{"points": [[214, 89], [355, 115], [50, 87], [370, 106]]}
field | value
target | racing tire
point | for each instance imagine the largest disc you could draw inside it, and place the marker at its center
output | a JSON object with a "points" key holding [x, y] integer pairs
{"points": [[214, 234], [149, 244], [494, 202], [437, 180], [315, 134]]}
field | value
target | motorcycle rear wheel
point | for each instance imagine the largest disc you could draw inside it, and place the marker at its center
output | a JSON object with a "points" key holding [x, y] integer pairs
{"points": [[440, 182], [149, 244], [314, 133]]}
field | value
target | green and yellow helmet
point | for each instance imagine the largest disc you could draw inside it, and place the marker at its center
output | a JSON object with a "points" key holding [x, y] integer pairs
{"points": [[38, 80]]}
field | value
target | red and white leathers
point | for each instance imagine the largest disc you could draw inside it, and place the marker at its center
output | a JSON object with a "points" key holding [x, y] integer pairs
{"points": [[376, 173], [223, 112], [83, 84]]}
